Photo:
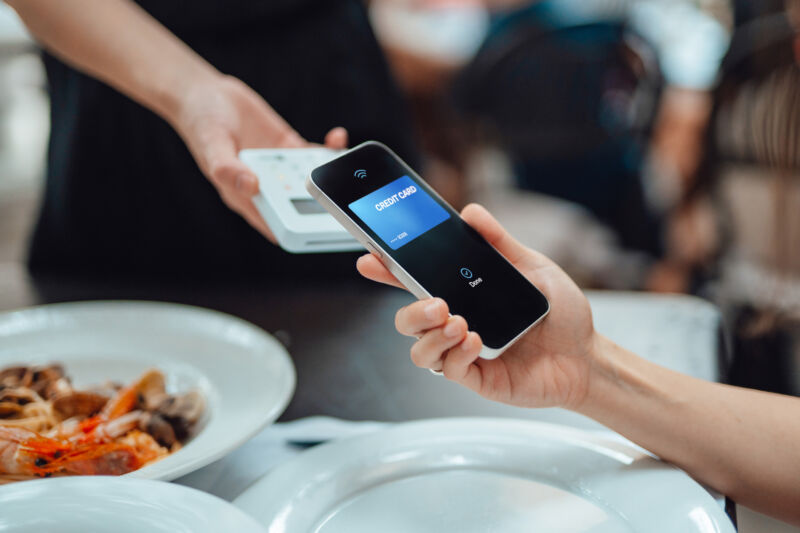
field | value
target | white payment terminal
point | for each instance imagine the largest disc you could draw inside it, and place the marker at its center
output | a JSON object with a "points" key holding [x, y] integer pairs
{"points": [[299, 223]]}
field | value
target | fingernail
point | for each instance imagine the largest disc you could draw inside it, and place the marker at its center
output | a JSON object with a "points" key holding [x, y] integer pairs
{"points": [[432, 311], [452, 329]]}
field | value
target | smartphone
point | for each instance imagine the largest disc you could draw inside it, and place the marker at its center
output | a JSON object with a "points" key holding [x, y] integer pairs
{"points": [[424, 242]]}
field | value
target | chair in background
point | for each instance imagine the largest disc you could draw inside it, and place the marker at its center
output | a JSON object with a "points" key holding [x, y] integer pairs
{"points": [[572, 102]]}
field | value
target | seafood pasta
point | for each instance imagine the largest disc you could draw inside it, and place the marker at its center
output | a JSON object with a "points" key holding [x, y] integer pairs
{"points": [[49, 428]]}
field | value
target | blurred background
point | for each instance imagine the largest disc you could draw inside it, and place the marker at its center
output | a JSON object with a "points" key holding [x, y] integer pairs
{"points": [[648, 145]]}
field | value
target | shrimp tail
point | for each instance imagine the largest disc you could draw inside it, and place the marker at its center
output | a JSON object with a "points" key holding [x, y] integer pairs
{"points": [[111, 459], [127, 399], [124, 402]]}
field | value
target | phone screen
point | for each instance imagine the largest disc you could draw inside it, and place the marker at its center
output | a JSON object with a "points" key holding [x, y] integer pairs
{"points": [[428, 239]]}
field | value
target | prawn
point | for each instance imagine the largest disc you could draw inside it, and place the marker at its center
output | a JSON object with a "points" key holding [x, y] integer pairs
{"points": [[116, 418], [24, 452], [95, 429]]}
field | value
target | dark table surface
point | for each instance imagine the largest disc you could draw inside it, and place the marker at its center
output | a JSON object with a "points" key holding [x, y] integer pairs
{"points": [[350, 361]]}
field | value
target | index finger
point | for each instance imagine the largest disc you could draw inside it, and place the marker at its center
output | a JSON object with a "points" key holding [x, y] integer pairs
{"points": [[371, 267]]}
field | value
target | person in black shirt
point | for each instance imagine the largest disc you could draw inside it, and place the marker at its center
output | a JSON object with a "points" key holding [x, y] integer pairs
{"points": [[149, 100]]}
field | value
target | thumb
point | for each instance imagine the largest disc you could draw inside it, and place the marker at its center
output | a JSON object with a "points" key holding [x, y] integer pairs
{"points": [[490, 229], [220, 162]]}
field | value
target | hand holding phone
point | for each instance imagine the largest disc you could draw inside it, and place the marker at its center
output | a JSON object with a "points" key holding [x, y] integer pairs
{"points": [[548, 366], [426, 245]]}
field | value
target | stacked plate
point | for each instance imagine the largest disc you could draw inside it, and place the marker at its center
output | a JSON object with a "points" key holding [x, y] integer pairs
{"points": [[116, 505]]}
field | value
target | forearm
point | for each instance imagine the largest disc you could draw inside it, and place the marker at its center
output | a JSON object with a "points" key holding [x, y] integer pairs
{"points": [[119, 43], [744, 443]]}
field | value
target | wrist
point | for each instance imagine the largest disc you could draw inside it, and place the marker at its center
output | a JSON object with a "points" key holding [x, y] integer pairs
{"points": [[169, 95], [611, 377]]}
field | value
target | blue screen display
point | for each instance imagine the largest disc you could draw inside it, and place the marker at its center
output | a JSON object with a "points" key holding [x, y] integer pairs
{"points": [[399, 212]]}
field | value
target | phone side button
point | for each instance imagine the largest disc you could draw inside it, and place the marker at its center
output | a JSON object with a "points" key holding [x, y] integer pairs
{"points": [[374, 250]]}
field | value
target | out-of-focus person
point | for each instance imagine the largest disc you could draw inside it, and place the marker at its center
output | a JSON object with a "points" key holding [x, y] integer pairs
{"points": [[573, 92], [745, 195]]}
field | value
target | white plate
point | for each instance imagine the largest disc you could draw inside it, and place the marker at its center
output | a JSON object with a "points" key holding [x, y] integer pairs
{"points": [[116, 505], [478, 475], [245, 375]]}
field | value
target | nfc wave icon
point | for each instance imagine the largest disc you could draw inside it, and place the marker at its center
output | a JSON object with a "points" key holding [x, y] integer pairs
{"points": [[360, 173]]}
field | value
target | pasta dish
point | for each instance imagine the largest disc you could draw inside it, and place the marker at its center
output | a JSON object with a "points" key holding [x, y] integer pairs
{"points": [[49, 428]]}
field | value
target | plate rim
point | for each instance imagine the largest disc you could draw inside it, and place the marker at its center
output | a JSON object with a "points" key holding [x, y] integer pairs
{"points": [[578, 436], [133, 486], [287, 387]]}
